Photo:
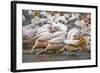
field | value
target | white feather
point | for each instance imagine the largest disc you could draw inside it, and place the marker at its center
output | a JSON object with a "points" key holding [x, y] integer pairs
{"points": [[28, 27], [58, 34], [67, 15], [23, 18], [73, 32], [57, 40], [45, 35], [43, 13], [35, 20], [44, 28], [80, 23], [60, 27], [31, 13], [71, 42]]}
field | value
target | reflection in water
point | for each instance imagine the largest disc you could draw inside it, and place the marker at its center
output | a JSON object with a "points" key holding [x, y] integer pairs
{"points": [[61, 57]]}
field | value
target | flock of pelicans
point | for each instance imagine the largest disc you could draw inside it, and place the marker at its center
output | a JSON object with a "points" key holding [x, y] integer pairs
{"points": [[56, 32]]}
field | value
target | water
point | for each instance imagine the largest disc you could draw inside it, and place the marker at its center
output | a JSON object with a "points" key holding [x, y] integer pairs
{"points": [[65, 56]]}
